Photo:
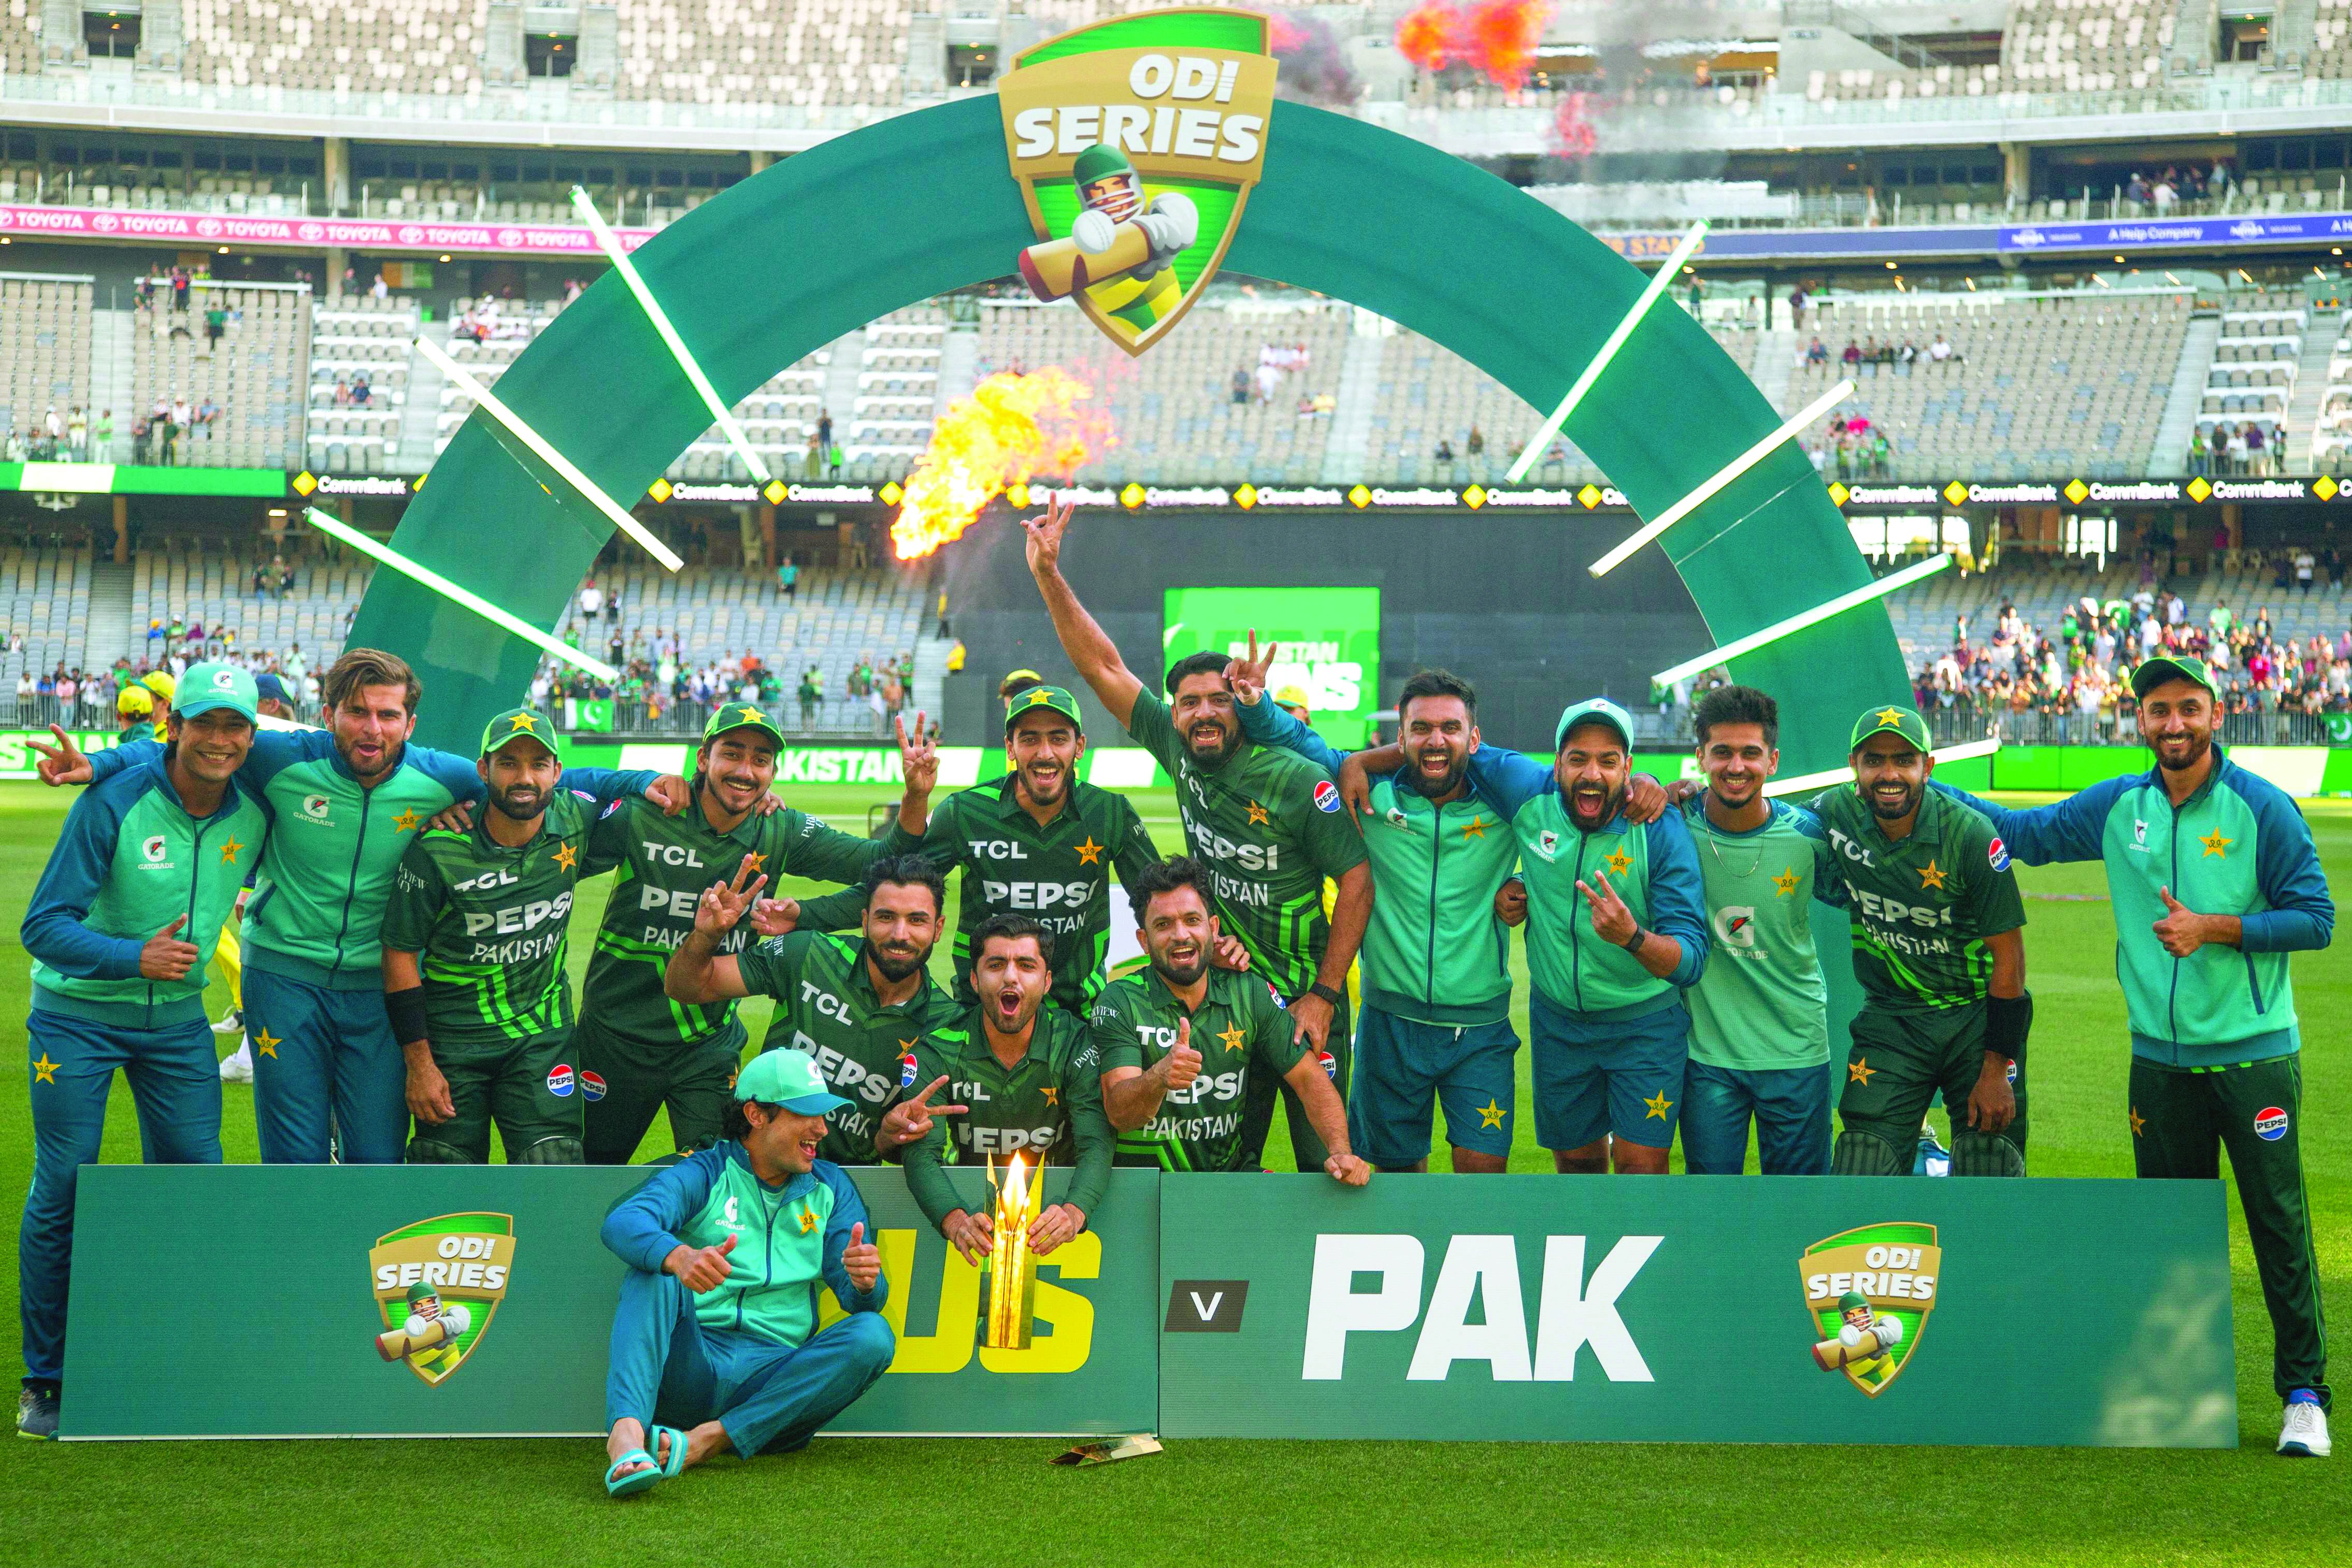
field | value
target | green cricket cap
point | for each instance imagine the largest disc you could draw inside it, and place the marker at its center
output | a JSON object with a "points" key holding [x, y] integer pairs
{"points": [[1055, 698], [1903, 721], [517, 721], [742, 715], [1597, 709], [790, 1079], [207, 687], [2171, 667]]}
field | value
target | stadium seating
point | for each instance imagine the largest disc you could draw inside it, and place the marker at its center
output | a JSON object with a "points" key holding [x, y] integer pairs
{"points": [[836, 617], [2036, 385], [776, 419], [352, 336], [214, 589], [45, 338], [46, 596], [255, 374], [803, 52], [423, 47]]}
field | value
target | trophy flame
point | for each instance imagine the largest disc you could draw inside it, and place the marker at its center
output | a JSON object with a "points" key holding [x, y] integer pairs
{"points": [[1012, 1266]]}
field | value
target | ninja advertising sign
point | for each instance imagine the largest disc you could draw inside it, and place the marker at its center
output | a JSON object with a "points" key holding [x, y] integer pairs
{"points": [[1135, 141]]}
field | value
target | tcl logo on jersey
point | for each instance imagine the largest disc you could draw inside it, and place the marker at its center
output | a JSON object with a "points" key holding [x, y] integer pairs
{"points": [[670, 854], [1844, 844], [1326, 795], [2270, 1124], [592, 1085], [1038, 895], [559, 1081], [997, 849], [501, 878], [1735, 925], [1997, 854], [156, 850]]}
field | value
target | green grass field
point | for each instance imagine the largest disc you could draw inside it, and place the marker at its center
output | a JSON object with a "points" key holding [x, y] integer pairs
{"points": [[998, 1502]]}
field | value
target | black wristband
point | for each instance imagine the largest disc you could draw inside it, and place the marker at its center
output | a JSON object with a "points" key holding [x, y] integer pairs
{"points": [[1328, 993], [406, 1011], [1634, 942], [2007, 1021]]}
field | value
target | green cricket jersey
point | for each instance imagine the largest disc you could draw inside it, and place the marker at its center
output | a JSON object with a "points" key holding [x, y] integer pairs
{"points": [[1268, 829], [825, 1007], [488, 924], [665, 865], [1921, 908], [1057, 875], [1761, 1003], [1049, 1103], [1240, 1029]]}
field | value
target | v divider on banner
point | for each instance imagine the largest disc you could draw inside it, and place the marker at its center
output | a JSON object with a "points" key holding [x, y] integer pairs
{"points": [[1831, 1310]]}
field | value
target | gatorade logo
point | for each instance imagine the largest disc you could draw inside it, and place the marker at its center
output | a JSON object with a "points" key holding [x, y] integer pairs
{"points": [[2270, 1124], [315, 808], [559, 1081], [222, 680], [155, 849], [1326, 795], [1997, 854], [1735, 925], [591, 1085]]}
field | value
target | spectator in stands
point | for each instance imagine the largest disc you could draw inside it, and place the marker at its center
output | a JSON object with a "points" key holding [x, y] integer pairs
{"points": [[54, 427], [894, 694], [1475, 447], [788, 578], [2306, 565], [208, 412], [825, 428], [379, 291], [216, 323], [180, 288], [2257, 453], [1444, 453], [815, 457], [294, 665], [1242, 385], [78, 434], [2200, 459], [811, 693], [1908, 354], [284, 582], [1797, 297], [592, 601], [342, 393], [833, 467], [103, 436], [360, 389], [1940, 351]]}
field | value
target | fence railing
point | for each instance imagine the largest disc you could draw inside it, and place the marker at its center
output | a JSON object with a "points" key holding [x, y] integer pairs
{"points": [[828, 718]]}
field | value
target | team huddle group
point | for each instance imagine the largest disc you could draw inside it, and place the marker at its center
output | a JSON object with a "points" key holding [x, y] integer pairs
{"points": [[404, 985]]}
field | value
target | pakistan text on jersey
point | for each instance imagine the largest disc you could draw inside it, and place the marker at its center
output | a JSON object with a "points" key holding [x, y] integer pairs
{"points": [[523, 950], [1193, 1129]]}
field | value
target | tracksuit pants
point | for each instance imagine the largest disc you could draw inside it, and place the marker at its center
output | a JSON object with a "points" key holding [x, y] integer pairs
{"points": [[329, 1081], [176, 1083], [666, 1366]]}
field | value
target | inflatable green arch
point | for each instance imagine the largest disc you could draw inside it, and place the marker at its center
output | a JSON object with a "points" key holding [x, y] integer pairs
{"points": [[829, 240]]}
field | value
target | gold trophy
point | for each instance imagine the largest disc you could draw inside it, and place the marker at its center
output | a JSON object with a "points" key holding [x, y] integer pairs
{"points": [[1011, 1268]]}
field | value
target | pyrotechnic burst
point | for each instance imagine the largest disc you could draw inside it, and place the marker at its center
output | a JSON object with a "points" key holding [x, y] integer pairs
{"points": [[1496, 38], [1014, 427]]}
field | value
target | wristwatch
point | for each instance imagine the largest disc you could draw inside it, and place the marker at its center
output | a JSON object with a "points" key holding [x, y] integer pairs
{"points": [[1328, 993], [1634, 942]]}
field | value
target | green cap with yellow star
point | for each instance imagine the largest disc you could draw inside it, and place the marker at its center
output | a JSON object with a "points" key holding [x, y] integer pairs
{"points": [[1054, 699], [1903, 721], [519, 722], [740, 716], [2171, 667]]}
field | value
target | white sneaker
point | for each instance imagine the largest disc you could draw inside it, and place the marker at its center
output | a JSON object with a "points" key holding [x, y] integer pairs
{"points": [[2303, 1432], [236, 1067], [231, 1022]]}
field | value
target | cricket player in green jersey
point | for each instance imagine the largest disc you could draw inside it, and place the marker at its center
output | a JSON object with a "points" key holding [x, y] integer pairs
{"points": [[1939, 948], [474, 936], [640, 1050], [1029, 1082], [1179, 1105], [1759, 1036], [2215, 882], [1266, 823], [857, 1008], [1035, 841]]}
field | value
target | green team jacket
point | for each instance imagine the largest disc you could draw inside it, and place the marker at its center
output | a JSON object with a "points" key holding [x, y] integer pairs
{"points": [[788, 1239], [319, 905], [664, 865], [2238, 846], [489, 925], [825, 1007], [1434, 951], [1239, 1029], [129, 862], [1048, 1104], [1057, 875]]}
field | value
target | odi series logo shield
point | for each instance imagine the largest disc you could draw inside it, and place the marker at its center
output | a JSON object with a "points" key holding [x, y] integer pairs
{"points": [[438, 1283], [1869, 1291], [1136, 142]]}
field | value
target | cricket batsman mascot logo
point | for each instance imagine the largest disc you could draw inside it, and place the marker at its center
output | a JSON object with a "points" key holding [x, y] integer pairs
{"points": [[437, 1284], [1869, 1291], [1136, 142]]}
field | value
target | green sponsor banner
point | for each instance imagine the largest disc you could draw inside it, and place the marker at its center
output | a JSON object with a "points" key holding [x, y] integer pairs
{"points": [[1830, 1309], [156, 1348], [129, 479], [19, 761], [1329, 638]]}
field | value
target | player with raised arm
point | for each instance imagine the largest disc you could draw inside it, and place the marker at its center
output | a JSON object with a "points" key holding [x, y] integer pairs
{"points": [[2215, 882], [474, 940], [134, 894], [1263, 823], [857, 1009], [1180, 1039], [639, 1050], [330, 1082], [1939, 948], [1028, 1083], [1036, 842]]}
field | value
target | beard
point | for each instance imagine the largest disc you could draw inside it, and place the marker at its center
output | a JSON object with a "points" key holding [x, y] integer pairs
{"points": [[894, 967], [1895, 811], [1186, 972], [519, 803], [1444, 784], [2197, 747]]}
